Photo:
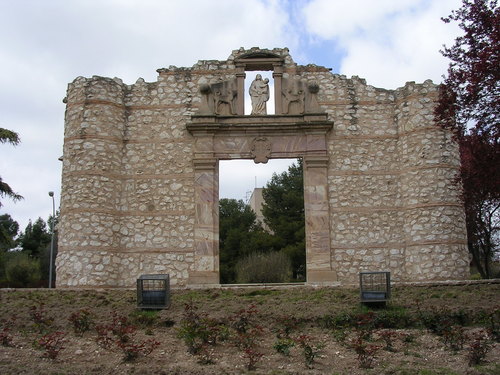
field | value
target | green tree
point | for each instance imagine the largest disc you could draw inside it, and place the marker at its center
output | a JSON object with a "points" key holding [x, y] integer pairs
{"points": [[283, 211], [8, 232], [35, 238], [8, 136], [21, 270], [236, 221], [239, 236]]}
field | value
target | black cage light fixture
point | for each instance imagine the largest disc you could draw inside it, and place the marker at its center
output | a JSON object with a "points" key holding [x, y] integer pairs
{"points": [[153, 292], [375, 287]]}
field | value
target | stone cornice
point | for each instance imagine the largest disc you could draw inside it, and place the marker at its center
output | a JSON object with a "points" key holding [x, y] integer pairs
{"points": [[269, 125]]}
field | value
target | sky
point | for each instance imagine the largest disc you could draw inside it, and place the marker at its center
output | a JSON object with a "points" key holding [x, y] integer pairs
{"points": [[46, 44]]}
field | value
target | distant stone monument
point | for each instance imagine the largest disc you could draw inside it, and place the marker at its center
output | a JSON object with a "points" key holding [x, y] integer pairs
{"points": [[141, 173]]}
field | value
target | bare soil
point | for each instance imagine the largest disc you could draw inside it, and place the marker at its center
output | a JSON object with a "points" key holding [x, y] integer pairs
{"points": [[417, 349]]}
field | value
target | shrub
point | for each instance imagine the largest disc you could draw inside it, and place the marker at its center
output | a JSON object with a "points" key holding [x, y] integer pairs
{"points": [[22, 271], [252, 356], [132, 350], [283, 346], [272, 267], [310, 349], [245, 323], [6, 337], [247, 332], [52, 343], [478, 348], [40, 319], [122, 334], [389, 336], [82, 321], [197, 330], [454, 338], [119, 330], [285, 325], [365, 351]]}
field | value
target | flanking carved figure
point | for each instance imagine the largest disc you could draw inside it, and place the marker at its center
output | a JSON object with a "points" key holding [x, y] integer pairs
{"points": [[219, 98]]}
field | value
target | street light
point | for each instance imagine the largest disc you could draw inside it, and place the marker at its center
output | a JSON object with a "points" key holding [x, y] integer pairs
{"points": [[51, 194]]}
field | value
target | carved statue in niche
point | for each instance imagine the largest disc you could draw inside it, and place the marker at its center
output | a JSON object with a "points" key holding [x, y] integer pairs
{"points": [[259, 93], [293, 96], [219, 98]]}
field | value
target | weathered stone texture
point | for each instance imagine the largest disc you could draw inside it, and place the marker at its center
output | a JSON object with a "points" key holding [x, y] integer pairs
{"points": [[140, 186]]}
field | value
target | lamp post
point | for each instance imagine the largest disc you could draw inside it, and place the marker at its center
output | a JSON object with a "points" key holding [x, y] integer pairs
{"points": [[51, 194]]}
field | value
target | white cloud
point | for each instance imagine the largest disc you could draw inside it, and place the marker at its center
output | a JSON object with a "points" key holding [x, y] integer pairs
{"points": [[387, 42], [46, 44], [333, 18]]}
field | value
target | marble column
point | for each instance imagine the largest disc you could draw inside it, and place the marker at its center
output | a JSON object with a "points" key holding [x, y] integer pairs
{"points": [[278, 99], [318, 257], [206, 229], [240, 99]]}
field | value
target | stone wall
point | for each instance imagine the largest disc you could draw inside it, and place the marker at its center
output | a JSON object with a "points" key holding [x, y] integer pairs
{"points": [[133, 193]]}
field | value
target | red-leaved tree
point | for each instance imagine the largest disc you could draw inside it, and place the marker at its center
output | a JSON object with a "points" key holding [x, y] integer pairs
{"points": [[469, 105]]}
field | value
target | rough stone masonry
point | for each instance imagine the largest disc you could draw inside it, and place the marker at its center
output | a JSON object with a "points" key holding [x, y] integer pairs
{"points": [[140, 173]]}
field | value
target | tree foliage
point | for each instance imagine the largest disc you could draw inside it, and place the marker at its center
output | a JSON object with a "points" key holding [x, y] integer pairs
{"points": [[470, 94], [32, 252], [283, 211], [35, 238], [469, 105], [8, 232], [8, 136], [243, 242], [239, 236]]}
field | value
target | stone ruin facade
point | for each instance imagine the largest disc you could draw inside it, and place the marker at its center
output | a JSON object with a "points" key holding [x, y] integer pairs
{"points": [[140, 173]]}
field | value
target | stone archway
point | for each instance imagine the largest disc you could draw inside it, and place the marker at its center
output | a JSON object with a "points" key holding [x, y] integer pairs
{"points": [[140, 173], [260, 138]]}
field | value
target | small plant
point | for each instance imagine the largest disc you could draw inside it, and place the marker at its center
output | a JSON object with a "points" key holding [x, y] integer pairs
{"points": [[6, 337], [365, 351], [479, 347], [252, 356], [285, 325], [206, 355], [245, 323], [244, 319], [121, 333], [247, 331], [310, 349], [131, 350], [365, 325], [283, 346], [104, 338], [454, 338], [494, 324], [340, 335], [388, 336], [52, 343], [118, 330], [197, 330], [82, 321], [121, 328], [39, 317]]}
